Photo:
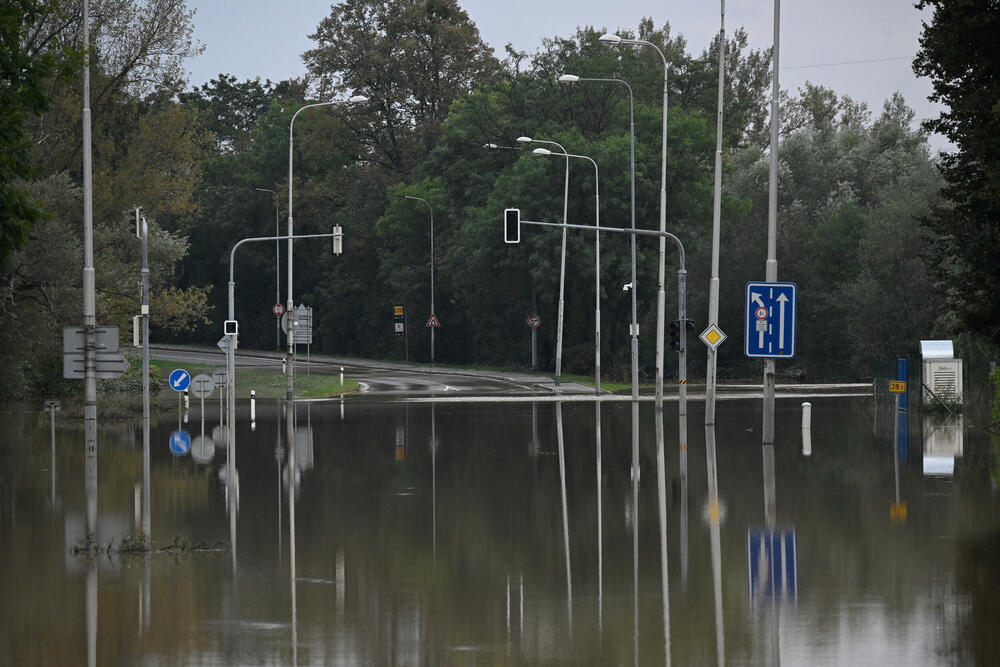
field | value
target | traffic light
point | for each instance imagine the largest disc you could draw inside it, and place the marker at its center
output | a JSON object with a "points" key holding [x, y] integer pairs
{"points": [[675, 335], [512, 225], [337, 240], [134, 224]]}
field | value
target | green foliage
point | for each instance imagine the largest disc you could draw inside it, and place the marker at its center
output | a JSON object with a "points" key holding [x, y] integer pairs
{"points": [[960, 53], [27, 65]]}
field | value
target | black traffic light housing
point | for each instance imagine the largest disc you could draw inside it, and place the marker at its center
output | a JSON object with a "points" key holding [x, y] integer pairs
{"points": [[675, 335], [512, 225], [134, 223]]}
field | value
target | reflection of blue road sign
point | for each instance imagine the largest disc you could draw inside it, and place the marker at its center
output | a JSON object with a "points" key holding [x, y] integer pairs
{"points": [[770, 320], [772, 563], [179, 379], [180, 443]]}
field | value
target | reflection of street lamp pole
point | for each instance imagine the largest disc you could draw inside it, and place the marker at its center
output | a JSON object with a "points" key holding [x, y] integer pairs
{"points": [[615, 40], [277, 268], [431, 208], [597, 260], [562, 256], [290, 307]]}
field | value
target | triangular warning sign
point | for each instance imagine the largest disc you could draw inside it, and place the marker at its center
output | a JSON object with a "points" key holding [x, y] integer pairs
{"points": [[433, 321]]}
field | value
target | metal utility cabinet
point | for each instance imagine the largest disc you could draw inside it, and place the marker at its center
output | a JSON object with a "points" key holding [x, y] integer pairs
{"points": [[942, 372]]}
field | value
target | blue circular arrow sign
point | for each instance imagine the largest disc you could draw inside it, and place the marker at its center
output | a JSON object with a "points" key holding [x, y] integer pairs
{"points": [[180, 443], [179, 379]]}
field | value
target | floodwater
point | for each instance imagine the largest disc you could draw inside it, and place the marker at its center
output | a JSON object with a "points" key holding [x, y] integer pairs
{"points": [[437, 534]]}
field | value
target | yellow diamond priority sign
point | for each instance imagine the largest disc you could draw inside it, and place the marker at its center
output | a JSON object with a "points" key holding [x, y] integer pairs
{"points": [[712, 336]]}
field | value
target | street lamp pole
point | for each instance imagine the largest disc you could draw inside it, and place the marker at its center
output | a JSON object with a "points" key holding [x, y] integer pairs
{"points": [[771, 268], [713, 286], [277, 268], [290, 306], [597, 261], [615, 40], [562, 255], [431, 209], [634, 328]]}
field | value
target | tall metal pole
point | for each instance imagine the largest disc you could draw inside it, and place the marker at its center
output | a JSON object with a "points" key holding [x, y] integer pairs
{"points": [[615, 40], [144, 310], [713, 286], [597, 260], [290, 305], [771, 268], [89, 298], [562, 256]]}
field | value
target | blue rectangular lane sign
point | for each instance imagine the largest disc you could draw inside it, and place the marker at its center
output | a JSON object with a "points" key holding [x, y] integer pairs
{"points": [[770, 320]]}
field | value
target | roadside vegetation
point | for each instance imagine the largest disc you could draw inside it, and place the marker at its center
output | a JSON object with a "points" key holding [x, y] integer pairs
{"points": [[888, 243]]}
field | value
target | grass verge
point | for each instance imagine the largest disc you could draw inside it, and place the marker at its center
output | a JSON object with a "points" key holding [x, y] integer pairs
{"points": [[270, 382]]}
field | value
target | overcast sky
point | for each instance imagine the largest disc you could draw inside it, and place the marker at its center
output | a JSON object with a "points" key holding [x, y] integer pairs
{"points": [[821, 41]]}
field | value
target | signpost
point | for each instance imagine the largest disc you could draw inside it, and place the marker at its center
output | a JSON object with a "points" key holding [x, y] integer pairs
{"points": [[110, 363], [770, 320], [399, 327], [534, 321], [179, 379]]}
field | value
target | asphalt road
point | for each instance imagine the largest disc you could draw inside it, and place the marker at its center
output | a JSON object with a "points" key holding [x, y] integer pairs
{"points": [[388, 378]]}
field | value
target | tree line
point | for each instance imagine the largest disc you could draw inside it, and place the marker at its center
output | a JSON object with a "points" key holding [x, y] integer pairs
{"points": [[855, 188]]}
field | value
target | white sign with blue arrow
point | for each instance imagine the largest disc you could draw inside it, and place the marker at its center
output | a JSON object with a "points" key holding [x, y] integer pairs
{"points": [[179, 379], [770, 320], [180, 443]]}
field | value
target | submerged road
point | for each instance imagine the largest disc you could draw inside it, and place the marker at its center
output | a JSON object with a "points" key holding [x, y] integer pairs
{"points": [[420, 382]]}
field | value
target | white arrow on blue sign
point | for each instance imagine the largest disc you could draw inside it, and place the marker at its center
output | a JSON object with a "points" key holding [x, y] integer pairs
{"points": [[180, 443], [179, 379], [770, 320]]}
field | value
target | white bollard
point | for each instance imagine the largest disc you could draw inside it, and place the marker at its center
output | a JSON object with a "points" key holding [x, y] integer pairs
{"points": [[807, 429], [253, 406], [341, 376]]}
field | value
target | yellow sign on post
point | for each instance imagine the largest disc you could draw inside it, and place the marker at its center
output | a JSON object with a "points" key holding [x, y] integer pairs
{"points": [[897, 387]]}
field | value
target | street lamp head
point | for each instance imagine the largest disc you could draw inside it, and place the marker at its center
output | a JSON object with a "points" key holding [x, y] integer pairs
{"points": [[569, 78], [524, 140], [490, 146], [542, 151], [609, 40], [357, 99]]}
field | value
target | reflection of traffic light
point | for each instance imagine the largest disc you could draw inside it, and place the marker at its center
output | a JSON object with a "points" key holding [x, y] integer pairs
{"points": [[675, 335], [512, 225]]}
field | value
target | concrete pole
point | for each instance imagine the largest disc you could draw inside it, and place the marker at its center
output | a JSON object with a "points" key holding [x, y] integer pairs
{"points": [[562, 255], [89, 299], [144, 309], [771, 268], [713, 286]]}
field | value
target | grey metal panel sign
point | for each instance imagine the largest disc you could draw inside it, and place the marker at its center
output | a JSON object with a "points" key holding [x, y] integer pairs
{"points": [[202, 385], [74, 339], [109, 365], [303, 324]]}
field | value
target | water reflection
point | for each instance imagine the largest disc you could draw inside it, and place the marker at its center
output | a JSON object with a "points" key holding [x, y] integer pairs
{"points": [[494, 582], [943, 442], [661, 479], [714, 519], [565, 514]]}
